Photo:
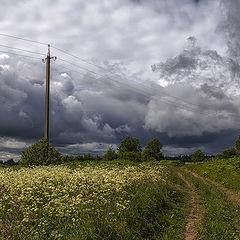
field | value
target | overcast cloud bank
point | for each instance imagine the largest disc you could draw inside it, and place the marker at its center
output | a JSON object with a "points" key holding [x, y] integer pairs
{"points": [[160, 80]]}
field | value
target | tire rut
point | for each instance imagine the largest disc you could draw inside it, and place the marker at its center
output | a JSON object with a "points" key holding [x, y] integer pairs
{"points": [[231, 195], [234, 197], [193, 217]]}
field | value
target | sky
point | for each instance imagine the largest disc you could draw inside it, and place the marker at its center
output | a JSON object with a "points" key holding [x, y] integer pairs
{"points": [[145, 68]]}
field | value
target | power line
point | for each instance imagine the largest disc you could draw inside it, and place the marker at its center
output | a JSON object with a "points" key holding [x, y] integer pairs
{"points": [[20, 55], [100, 67], [81, 59], [84, 60], [24, 50], [127, 86], [121, 84], [104, 76], [75, 65], [146, 94], [23, 39]]}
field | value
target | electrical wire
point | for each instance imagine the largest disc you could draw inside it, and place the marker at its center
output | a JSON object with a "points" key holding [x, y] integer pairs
{"points": [[89, 76], [20, 55], [144, 93], [90, 63], [23, 39], [83, 60], [100, 67], [24, 50], [75, 65], [169, 101]]}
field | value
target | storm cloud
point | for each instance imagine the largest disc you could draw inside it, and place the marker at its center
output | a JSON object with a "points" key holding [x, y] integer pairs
{"points": [[166, 74]]}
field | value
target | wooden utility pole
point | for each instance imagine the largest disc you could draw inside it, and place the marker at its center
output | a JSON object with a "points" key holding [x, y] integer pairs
{"points": [[47, 60]]}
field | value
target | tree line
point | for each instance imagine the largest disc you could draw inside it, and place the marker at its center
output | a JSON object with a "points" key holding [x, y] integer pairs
{"points": [[43, 153]]}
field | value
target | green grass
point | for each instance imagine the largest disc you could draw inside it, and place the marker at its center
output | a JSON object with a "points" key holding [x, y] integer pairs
{"points": [[224, 171], [221, 218], [92, 200]]}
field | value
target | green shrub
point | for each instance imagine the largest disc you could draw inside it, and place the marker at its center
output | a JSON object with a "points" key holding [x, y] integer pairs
{"points": [[79, 158], [68, 158], [110, 155], [131, 156], [40, 153], [88, 157], [229, 152]]}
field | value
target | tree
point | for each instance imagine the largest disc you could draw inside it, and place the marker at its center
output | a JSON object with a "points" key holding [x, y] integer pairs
{"points": [[197, 156], [110, 155], [129, 144], [153, 150], [40, 153], [229, 152], [238, 145]]}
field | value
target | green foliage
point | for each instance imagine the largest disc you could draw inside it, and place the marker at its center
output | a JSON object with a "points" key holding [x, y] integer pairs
{"points": [[88, 157], [68, 158], [153, 150], [198, 156], [79, 158], [238, 145], [228, 153], [110, 155], [131, 156], [129, 144], [176, 163], [40, 153]]}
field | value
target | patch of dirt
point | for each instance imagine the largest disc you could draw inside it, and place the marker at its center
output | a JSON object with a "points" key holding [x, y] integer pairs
{"points": [[193, 217]]}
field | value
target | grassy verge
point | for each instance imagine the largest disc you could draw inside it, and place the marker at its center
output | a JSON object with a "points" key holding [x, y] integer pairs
{"points": [[92, 201], [221, 219], [224, 171]]}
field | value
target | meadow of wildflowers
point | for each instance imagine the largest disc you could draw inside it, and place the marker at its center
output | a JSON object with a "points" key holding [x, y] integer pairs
{"points": [[91, 201]]}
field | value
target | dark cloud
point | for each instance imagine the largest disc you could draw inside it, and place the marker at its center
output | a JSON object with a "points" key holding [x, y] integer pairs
{"points": [[190, 100], [102, 111]]}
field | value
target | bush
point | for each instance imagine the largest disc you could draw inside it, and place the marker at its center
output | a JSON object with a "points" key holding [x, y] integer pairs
{"points": [[88, 157], [68, 158], [40, 153], [110, 155], [198, 156], [153, 150], [131, 156], [79, 158], [229, 152]]}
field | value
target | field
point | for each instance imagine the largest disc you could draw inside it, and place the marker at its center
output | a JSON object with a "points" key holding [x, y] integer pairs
{"points": [[121, 200], [92, 201]]}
